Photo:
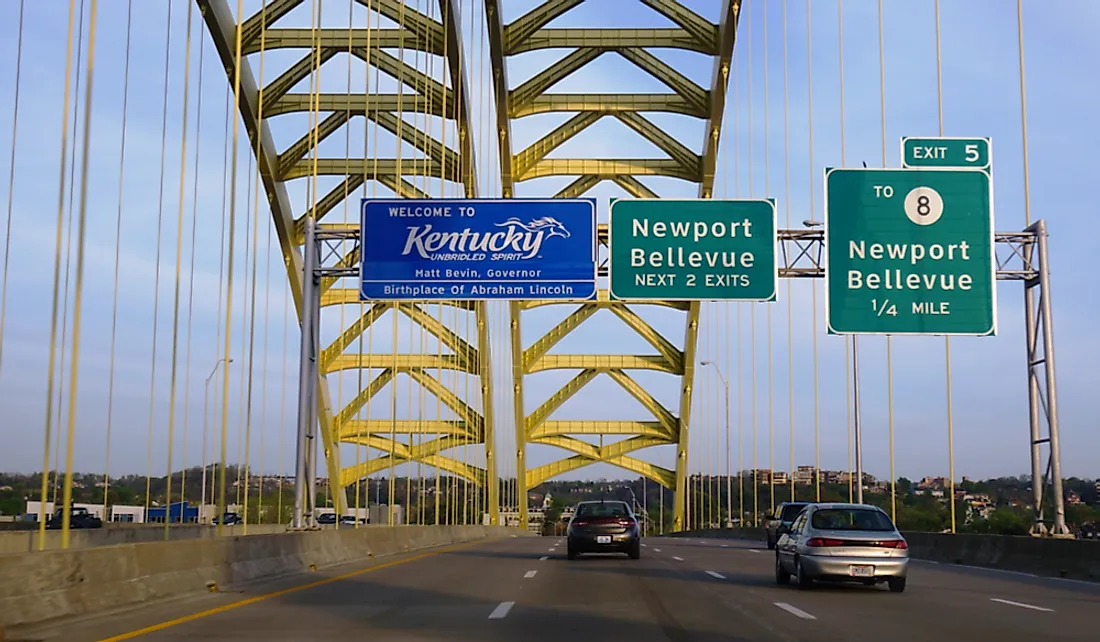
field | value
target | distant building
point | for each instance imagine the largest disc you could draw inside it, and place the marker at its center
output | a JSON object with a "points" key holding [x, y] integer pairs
{"points": [[121, 514], [380, 514], [177, 513], [805, 475], [33, 508]]}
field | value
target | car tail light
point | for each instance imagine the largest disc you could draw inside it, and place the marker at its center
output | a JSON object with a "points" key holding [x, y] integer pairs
{"points": [[824, 541], [627, 522], [580, 522]]}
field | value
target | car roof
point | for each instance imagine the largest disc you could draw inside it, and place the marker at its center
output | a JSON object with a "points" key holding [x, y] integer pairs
{"points": [[602, 501], [845, 505]]}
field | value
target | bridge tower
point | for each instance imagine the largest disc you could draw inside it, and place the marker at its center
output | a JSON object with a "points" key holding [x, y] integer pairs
{"points": [[687, 31], [264, 100]]}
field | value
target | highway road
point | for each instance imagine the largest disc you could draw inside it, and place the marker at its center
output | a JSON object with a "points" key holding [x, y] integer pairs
{"points": [[680, 590]]}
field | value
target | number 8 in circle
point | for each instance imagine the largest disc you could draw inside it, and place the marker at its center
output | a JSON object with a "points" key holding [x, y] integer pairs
{"points": [[923, 206]]}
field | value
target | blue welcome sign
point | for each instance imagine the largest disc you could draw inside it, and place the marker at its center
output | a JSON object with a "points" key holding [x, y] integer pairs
{"points": [[473, 249]]}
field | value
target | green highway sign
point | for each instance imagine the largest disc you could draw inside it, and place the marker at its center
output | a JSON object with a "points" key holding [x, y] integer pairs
{"points": [[693, 249], [974, 153], [910, 252]]}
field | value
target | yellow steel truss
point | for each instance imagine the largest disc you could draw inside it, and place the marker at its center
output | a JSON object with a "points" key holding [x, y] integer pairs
{"points": [[528, 33], [422, 94]]}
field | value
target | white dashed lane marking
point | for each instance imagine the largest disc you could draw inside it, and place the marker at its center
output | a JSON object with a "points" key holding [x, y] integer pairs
{"points": [[501, 610], [1021, 605], [717, 576], [795, 611], [678, 559], [544, 558], [529, 574]]}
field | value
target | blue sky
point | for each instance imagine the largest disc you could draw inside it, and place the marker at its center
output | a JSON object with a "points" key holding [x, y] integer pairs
{"points": [[981, 97]]}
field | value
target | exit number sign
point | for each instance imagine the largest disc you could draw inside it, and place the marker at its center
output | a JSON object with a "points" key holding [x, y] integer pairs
{"points": [[973, 153]]}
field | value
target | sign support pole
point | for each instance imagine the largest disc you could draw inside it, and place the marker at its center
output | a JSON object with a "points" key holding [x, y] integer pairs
{"points": [[1040, 356], [307, 381], [857, 425]]}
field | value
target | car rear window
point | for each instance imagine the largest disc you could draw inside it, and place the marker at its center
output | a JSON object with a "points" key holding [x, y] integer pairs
{"points": [[790, 511], [851, 519], [605, 509]]}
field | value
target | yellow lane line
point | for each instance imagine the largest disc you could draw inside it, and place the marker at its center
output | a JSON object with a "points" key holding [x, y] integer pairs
{"points": [[267, 596]]}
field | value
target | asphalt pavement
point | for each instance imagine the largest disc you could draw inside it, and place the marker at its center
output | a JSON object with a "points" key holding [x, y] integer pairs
{"points": [[681, 590]]}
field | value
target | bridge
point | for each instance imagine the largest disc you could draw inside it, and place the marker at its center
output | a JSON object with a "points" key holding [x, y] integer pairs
{"points": [[312, 459]]}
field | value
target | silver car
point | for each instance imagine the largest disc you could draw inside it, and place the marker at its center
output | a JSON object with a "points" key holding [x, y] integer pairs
{"points": [[842, 543]]}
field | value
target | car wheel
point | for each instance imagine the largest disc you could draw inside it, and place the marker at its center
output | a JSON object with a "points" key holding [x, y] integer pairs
{"points": [[896, 584], [771, 545], [782, 577], [804, 581], [570, 552], [635, 551]]}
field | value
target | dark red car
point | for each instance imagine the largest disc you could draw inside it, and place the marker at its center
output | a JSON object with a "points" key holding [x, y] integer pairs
{"points": [[607, 526]]}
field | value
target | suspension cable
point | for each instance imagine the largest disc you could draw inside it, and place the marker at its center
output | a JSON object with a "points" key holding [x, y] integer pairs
{"points": [[222, 249], [336, 425], [246, 371], [394, 310], [723, 155], [366, 128], [752, 308], [488, 433], [255, 179], [739, 307], [849, 340], [813, 212], [267, 277], [787, 208], [1023, 112], [78, 294], [56, 283], [889, 339], [227, 345], [946, 339], [156, 288], [370, 328], [416, 439], [118, 250], [771, 358], [11, 183], [179, 278], [191, 280], [68, 255], [287, 312]]}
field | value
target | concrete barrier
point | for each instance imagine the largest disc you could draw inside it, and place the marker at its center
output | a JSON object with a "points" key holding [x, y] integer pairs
{"points": [[52, 584], [1054, 557], [111, 535]]}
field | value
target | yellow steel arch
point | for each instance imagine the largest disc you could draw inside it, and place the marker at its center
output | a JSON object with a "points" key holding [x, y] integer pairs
{"points": [[422, 94], [687, 31]]}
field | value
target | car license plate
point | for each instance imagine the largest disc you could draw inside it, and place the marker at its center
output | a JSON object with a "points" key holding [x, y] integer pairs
{"points": [[861, 571], [603, 539]]}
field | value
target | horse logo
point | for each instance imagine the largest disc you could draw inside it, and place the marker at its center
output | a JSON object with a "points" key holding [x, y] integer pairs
{"points": [[546, 225]]}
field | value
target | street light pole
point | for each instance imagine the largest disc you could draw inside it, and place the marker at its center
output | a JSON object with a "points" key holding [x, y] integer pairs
{"points": [[205, 400], [729, 478]]}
